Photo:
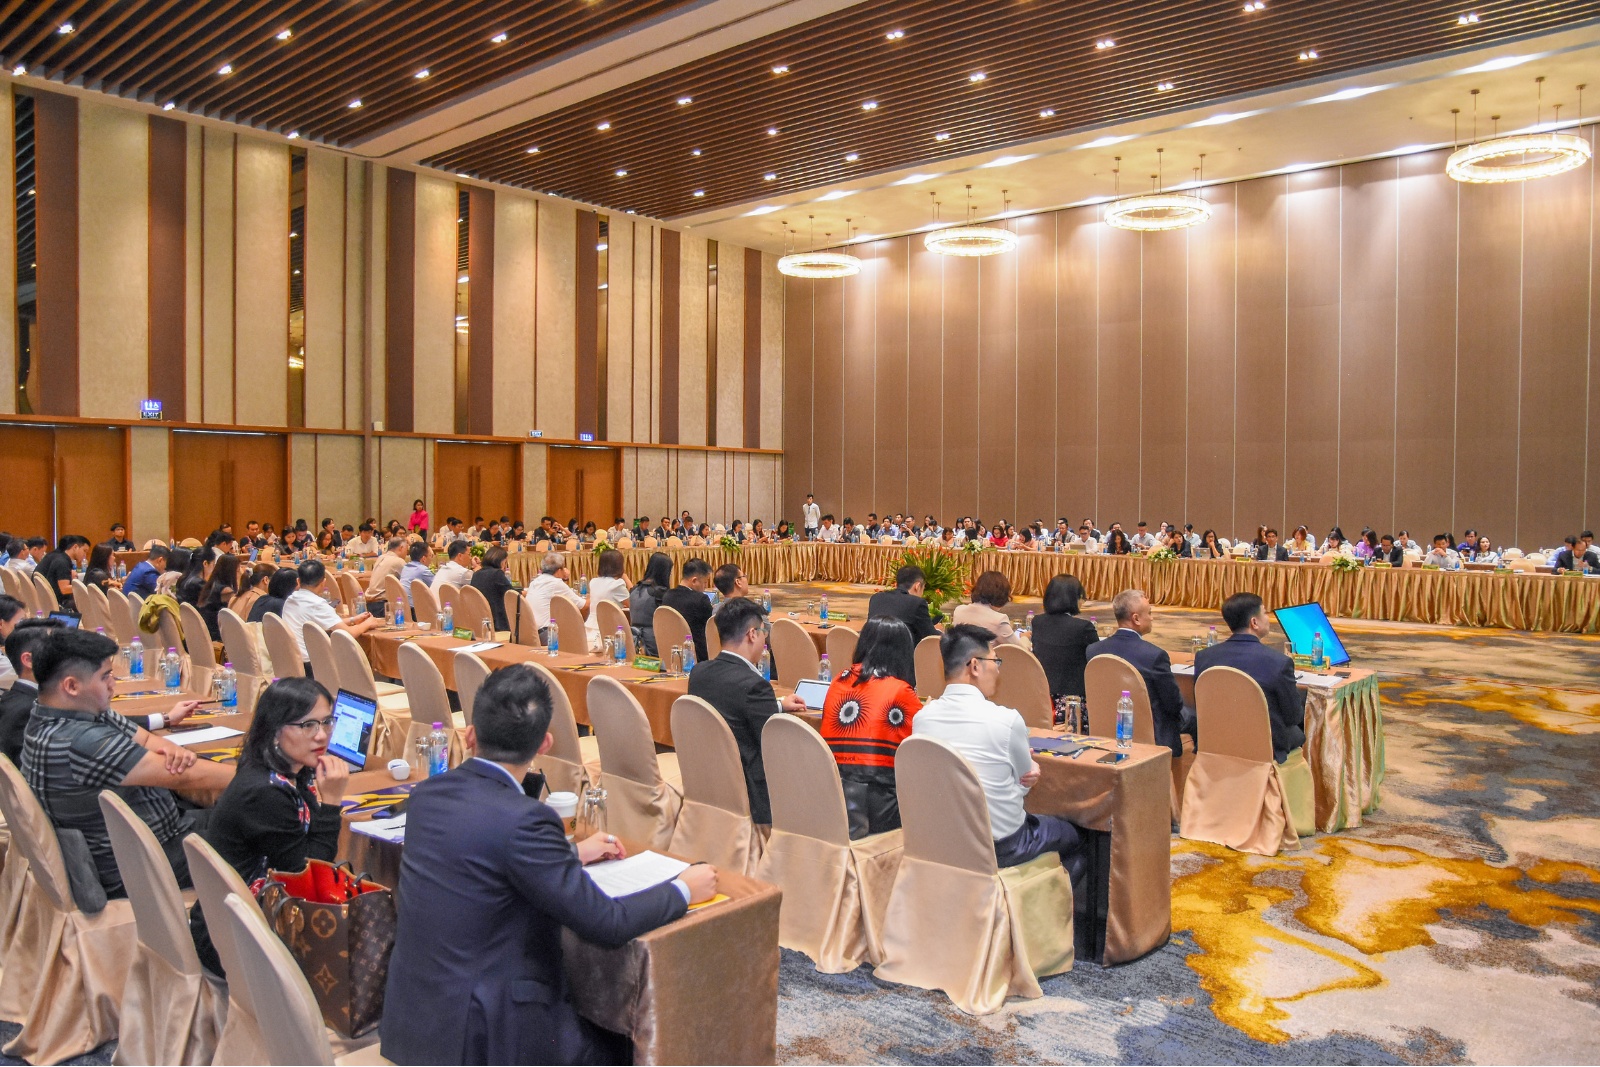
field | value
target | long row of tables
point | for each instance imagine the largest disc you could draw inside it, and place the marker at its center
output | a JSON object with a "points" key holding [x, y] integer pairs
{"points": [[1510, 600]]}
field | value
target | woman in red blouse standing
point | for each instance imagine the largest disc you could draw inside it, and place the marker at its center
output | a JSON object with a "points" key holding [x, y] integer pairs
{"points": [[867, 714], [419, 519]]}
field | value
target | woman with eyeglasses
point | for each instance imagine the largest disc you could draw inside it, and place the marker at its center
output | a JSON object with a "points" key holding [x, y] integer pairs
{"points": [[282, 807]]}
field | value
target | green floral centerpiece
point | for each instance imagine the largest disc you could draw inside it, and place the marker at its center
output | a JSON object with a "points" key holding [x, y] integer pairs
{"points": [[478, 549], [1345, 563], [601, 546], [729, 543], [973, 545], [1161, 555], [944, 576]]}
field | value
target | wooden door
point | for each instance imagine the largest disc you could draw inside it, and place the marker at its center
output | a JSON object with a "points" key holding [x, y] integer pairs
{"points": [[91, 480], [583, 483], [472, 479], [226, 477], [27, 505]]}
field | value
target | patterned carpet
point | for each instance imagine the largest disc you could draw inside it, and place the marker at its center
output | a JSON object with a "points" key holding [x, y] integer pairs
{"points": [[1460, 924]]}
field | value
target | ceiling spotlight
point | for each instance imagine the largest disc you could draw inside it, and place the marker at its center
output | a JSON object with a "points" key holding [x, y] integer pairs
{"points": [[941, 137], [1469, 19], [284, 35], [851, 157], [533, 151], [694, 152], [837, 194], [601, 247], [226, 68], [772, 131], [18, 71], [895, 35], [293, 234], [419, 75], [294, 135], [1252, 6], [64, 29], [913, 179], [769, 177], [764, 209], [462, 280], [976, 76], [603, 127], [622, 173], [1163, 87], [352, 105], [682, 100], [698, 193], [781, 68], [1048, 113], [168, 106], [870, 105], [1309, 53], [499, 38], [1103, 43]]}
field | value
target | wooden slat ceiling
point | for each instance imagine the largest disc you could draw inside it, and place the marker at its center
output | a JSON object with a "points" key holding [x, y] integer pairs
{"points": [[338, 51], [1034, 54]]}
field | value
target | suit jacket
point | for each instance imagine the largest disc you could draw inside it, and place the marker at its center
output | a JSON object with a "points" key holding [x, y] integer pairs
{"points": [[1274, 672], [746, 701], [1062, 643], [1564, 559], [907, 607], [16, 705], [1281, 555], [487, 882], [1155, 666], [696, 611]]}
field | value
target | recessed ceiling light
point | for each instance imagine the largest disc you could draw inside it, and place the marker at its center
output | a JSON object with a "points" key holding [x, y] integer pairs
{"points": [[462, 280], [698, 192], [499, 38], [694, 152], [604, 285], [1109, 140], [1103, 43], [462, 174], [977, 76], [1309, 53], [353, 104], [622, 173], [168, 106], [1498, 63], [1048, 113], [682, 100], [297, 272], [64, 29], [533, 151], [837, 194], [772, 131], [226, 68], [1353, 93], [895, 35], [1252, 6], [769, 177], [601, 247], [18, 71], [630, 211], [1163, 87], [294, 135], [781, 68], [603, 127], [870, 105], [1006, 161], [285, 34], [1469, 19], [419, 75], [30, 192], [913, 179], [764, 209], [851, 157], [941, 137]]}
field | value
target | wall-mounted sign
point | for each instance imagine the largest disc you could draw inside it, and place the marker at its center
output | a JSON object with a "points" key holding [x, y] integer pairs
{"points": [[586, 437], [150, 409], [535, 433]]}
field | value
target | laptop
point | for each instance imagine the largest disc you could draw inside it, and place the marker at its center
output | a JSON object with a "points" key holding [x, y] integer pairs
{"points": [[353, 715], [1302, 622], [814, 691]]}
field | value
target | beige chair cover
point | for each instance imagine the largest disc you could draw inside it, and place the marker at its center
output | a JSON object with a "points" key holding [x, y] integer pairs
{"points": [[445, 593], [13, 881], [572, 545], [44, 597], [122, 618], [239, 644], [389, 727], [714, 823], [650, 542], [794, 655], [424, 605], [841, 645], [349, 589], [930, 668], [610, 619], [214, 881], [1023, 686], [1104, 680], [713, 638], [197, 642], [171, 1013], [64, 968], [169, 635], [281, 648], [574, 632], [674, 542], [955, 922], [334, 591], [573, 762], [427, 698], [671, 630], [835, 891], [394, 592], [326, 669], [471, 672], [524, 627], [1234, 795], [405, 744], [88, 610], [8, 585], [472, 609], [642, 804]]}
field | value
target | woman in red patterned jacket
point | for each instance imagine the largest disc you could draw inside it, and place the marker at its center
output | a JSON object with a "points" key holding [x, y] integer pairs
{"points": [[867, 714]]}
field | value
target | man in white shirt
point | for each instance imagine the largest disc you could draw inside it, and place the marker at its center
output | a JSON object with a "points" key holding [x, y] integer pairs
{"points": [[449, 531], [549, 583], [828, 533], [1442, 555], [1144, 539], [810, 517], [994, 741], [364, 545], [391, 562], [1405, 542], [416, 568], [457, 570], [307, 604], [26, 559]]}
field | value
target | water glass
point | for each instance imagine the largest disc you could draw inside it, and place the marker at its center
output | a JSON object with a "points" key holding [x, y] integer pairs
{"points": [[676, 664], [591, 814], [1077, 721], [1197, 643]]}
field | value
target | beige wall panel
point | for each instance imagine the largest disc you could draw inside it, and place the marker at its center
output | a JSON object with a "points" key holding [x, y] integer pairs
{"points": [[149, 497], [515, 230], [766, 490], [261, 270], [323, 234], [435, 327], [535, 471], [652, 492], [690, 468], [193, 235], [619, 329], [216, 307], [719, 508], [692, 342], [739, 488], [771, 354], [355, 273], [374, 322], [8, 253], [404, 473], [730, 346], [338, 478], [555, 345], [646, 331], [113, 260], [303, 481]]}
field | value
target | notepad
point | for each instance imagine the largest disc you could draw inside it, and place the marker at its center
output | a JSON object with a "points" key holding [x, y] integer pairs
{"points": [[1185, 669], [481, 646], [618, 878], [391, 830], [1321, 681], [204, 737]]}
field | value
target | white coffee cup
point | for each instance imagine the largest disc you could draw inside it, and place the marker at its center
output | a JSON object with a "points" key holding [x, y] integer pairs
{"points": [[566, 805], [400, 769]]}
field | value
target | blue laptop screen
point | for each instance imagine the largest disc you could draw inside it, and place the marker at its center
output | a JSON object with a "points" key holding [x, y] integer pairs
{"points": [[353, 715], [1302, 622]]}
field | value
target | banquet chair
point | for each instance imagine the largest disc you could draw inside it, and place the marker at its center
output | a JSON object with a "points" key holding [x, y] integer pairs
{"points": [[44, 597], [643, 793], [573, 630], [671, 630], [675, 542], [471, 673], [1017, 921], [714, 823], [65, 969], [334, 591], [80, 597], [349, 589], [424, 605], [841, 646], [524, 627], [573, 762], [1237, 794], [446, 595], [426, 695], [651, 542], [11, 588], [930, 668], [276, 989], [1023, 686], [472, 610], [354, 671], [1104, 680], [610, 619], [214, 881], [572, 545], [713, 638], [172, 1011], [622, 543], [1523, 566], [239, 645], [120, 613], [394, 592], [281, 648], [319, 653], [197, 643], [794, 655], [835, 890]]}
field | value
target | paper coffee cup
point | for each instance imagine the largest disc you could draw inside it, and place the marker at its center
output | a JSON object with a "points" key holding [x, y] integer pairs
{"points": [[400, 769], [566, 805]]}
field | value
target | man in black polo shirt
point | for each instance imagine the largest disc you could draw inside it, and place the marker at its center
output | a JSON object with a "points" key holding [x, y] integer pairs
{"points": [[75, 746], [689, 600], [60, 567]]}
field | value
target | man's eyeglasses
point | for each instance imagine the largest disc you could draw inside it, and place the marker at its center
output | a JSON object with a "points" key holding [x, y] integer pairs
{"points": [[985, 659], [311, 726]]}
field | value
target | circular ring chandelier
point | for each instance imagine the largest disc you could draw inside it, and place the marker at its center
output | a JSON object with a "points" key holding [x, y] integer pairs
{"points": [[1518, 158], [970, 241], [819, 265], [1157, 211]]}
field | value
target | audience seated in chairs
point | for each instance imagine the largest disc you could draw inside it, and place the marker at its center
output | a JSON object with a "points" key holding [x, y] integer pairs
{"points": [[1135, 618], [689, 600], [142, 578], [905, 602], [1062, 638], [416, 568], [306, 604], [991, 591], [490, 580], [253, 587], [218, 592], [12, 612], [282, 584], [869, 710], [1272, 670], [549, 583], [646, 596]]}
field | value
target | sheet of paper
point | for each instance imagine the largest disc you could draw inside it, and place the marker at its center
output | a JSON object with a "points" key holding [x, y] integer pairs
{"points": [[618, 878], [393, 830], [1321, 681], [203, 737], [1186, 669], [481, 646]]}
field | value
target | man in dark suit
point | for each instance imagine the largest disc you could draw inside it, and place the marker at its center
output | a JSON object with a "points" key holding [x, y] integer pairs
{"points": [[1271, 550], [1576, 555], [1135, 619], [1272, 670], [16, 703], [904, 602], [487, 881], [732, 684], [689, 600]]}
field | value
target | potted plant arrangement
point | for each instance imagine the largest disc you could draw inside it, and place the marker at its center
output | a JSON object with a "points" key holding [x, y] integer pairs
{"points": [[944, 576]]}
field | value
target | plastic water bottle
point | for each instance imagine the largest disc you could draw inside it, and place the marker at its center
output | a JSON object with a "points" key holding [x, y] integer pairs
{"points": [[361, 603], [448, 626], [553, 644], [122, 568], [172, 670], [1125, 720], [1316, 650], [101, 630], [399, 613], [438, 750], [822, 608], [766, 664], [620, 646], [583, 586], [230, 686], [136, 658], [824, 669], [1211, 637], [361, 565], [766, 601], [1027, 624], [688, 655]]}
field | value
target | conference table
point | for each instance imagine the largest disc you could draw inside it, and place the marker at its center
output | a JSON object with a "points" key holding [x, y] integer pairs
{"points": [[1564, 603]]}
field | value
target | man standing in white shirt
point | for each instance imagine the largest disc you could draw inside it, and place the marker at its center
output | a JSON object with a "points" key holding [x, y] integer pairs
{"points": [[457, 570], [549, 583], [307, 604], [810, 517], [994, 741]]}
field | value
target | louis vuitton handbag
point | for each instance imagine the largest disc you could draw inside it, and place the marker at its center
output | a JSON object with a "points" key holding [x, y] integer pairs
{"points": [[340, 928]]}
